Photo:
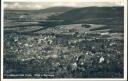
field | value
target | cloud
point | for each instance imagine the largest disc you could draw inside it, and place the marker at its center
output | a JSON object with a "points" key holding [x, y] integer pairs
{"points": [[64, 4], [5, 5], [12, 5], [121, 4]]}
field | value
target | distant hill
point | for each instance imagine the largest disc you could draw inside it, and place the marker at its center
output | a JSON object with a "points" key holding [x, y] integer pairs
{"points": [[35, 14], [47, 10], [55, 9], [89, 14]]}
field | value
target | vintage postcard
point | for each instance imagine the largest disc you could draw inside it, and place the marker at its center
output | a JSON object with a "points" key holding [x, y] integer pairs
{"points": [[64, 40]]}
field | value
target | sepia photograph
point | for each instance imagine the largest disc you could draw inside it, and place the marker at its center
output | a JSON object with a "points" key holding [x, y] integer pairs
{"points": [[63, 40]]}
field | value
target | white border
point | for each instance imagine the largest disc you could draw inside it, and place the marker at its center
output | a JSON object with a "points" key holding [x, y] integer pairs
{"points": [[125, 37], [2, 20], [94, 79], [63, 0]]}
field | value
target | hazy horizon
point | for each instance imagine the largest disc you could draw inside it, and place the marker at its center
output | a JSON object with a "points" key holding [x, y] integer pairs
{"points": [[44, 5]]}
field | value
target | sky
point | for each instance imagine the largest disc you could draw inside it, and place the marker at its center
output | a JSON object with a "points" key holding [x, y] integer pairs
{"points": [[43, 5]]}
